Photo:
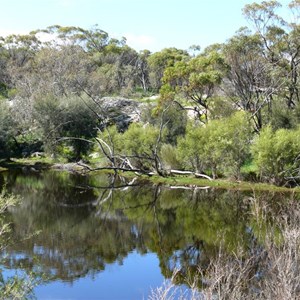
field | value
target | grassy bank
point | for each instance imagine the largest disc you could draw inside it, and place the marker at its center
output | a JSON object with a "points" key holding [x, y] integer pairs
{"points": [[220, 184], [178, 180]]}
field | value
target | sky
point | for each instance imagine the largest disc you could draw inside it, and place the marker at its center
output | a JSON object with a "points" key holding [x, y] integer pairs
{"points": [[146, 24]]}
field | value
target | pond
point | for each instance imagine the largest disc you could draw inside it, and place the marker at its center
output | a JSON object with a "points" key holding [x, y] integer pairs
{"points": [[102, 237]]}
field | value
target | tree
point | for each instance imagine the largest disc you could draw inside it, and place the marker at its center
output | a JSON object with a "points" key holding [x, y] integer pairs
{"points": [[68, 121], [60, 72], [136, 149], [196, 80], [249, 83], [142, 69], [281, 47], [161, 60], [174, 118], [19, 52], [7, 132], [91, 40]]}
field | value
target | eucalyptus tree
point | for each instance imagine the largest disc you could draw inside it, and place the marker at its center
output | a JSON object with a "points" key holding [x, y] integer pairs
{"points": [[280, 44], [7, 131], [19, 52], [67, 124], [4, 78], [195, 81], [142, 70], [91, 40], [249, 82], [61, 72], [161, 60], [119, 68]]}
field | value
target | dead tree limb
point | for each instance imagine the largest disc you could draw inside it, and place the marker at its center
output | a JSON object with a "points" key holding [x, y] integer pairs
{"points": [[178, 172]]}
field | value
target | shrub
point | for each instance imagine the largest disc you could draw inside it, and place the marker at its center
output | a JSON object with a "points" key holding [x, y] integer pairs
{"points": [[220, 146], [66, 117], [276, 154], [168, 157]]}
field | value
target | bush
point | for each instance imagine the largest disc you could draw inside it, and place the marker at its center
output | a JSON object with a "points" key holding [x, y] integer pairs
{"points": [[222, 146], [67, 120], [140, 142], [276, 154], [174, 120], [168, 157]]}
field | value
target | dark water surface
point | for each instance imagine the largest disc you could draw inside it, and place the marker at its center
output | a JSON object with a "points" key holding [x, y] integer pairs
{"points": [[98, 238]]}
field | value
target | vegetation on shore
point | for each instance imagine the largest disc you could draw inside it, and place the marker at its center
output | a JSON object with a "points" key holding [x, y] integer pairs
{"points": [[230, 113], [218, 110], [176, 181]]}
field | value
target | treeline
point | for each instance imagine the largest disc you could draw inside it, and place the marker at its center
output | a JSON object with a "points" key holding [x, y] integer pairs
{"points": [[229, 110]]}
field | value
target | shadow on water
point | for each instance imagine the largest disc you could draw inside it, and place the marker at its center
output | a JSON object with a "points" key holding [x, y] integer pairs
{"points": [[87, 223]]}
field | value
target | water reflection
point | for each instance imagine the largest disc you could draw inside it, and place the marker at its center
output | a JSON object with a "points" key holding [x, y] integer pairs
{"points": [[85, 226]]}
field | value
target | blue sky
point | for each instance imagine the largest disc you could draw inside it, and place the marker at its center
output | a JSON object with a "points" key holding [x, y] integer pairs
{"points": [[147, 24]]}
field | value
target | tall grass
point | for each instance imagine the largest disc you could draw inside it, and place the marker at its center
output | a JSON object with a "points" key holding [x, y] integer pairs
{"points": [[269, 270]]}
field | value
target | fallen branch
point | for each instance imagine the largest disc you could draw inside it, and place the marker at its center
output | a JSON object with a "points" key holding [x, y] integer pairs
{"points": [[182, 187], [118, 169], [190, 173], [139, 171]]}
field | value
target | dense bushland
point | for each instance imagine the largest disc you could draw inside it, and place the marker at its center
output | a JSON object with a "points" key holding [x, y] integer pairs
{"points": [[230, 111]]}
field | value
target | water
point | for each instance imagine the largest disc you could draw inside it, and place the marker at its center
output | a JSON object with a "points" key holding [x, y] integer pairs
{"points": [[100, 237]]}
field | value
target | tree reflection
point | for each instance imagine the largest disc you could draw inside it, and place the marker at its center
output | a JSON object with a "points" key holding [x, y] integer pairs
{"points": [[86, 223]]}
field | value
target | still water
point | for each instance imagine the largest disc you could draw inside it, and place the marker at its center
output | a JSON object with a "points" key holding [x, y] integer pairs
{"points": [[102, 237]]}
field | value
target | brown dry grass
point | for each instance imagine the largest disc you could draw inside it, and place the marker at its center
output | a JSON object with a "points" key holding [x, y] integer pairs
{"points": [[270, 270]]}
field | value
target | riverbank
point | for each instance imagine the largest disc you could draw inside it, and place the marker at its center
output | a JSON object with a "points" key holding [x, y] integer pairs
{"points": [[177, 181]]}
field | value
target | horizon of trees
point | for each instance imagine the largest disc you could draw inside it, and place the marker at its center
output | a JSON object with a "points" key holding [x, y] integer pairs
{"points": [[230, 106]]}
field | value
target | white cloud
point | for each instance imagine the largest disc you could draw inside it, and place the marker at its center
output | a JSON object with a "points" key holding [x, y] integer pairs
{"points": [[140, 42]]}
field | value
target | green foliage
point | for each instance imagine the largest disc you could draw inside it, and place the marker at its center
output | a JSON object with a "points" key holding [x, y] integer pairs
{"points": [[190, 148], [276, 154], [172, 117], [111, 140], [159, 61], [168, 154], [80, 123], [27, 143], [140, 142], [6, 131], [195, 79], [282, 117], [53, 86], [221, 107], [220, 146], [3, 90], [66, 120], [5, 202]]}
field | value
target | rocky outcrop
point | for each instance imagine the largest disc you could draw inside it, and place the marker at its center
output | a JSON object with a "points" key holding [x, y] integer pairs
{"points": [[121, 111]]}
